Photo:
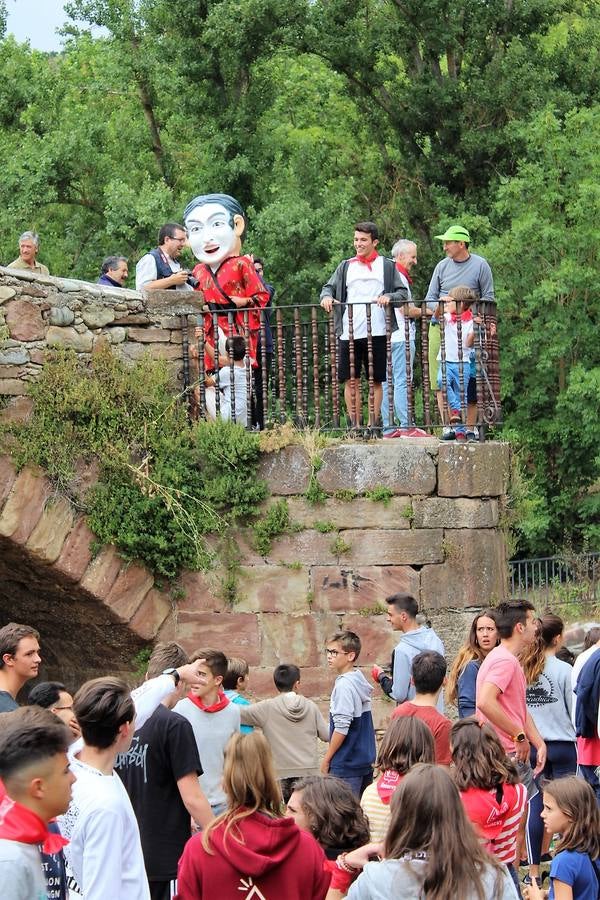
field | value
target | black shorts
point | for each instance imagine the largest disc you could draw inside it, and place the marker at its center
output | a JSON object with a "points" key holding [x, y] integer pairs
{"points": [[472, 390], [361, 351]]}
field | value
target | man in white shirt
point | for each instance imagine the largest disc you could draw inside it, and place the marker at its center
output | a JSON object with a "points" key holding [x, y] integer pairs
{"points": [[367, 281], [160, 269], [104, 857]]}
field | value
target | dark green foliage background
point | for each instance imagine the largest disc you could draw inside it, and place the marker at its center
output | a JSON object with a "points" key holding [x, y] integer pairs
{"points": [[317, 114]]}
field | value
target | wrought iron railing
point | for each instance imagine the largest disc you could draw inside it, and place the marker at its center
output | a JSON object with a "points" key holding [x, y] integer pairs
{"points": [[298, 380], [554, 577]]}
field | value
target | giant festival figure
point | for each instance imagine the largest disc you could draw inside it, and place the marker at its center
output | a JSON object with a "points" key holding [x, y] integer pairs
{"points": [[216, 224]]}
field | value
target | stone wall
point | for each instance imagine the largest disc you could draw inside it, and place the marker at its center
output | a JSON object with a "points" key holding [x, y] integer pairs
{"points": [[38, 313], [438, 537]]}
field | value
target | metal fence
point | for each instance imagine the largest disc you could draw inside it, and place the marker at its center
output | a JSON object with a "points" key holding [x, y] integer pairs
{"points": [[557, 578], [290, 369]]}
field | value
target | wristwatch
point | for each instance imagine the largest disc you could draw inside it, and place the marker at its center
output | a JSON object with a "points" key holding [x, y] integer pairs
{"points": [[174, 673], [520, 737]]}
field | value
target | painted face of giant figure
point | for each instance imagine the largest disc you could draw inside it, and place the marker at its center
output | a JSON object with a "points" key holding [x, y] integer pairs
{"points": [[215, 225]]}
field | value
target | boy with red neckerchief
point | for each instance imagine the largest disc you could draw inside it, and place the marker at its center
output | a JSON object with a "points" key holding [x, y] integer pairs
{"points": [[214, 719], [36, 787]]}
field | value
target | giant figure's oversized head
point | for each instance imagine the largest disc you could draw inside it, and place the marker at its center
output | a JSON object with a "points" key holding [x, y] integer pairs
{"points": [[216, 224]]}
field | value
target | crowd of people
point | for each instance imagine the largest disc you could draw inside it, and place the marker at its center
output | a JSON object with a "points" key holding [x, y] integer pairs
{"points": [[184, 788], [369, 297]]}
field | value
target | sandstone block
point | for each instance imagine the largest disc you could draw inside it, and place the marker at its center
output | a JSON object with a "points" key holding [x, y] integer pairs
{"points": [[393, 547], [473, 470], [377, 638], [296, 638], [61, 315], [14, 357], [76, 554], [474, 573], [7, 477], [150, 615], [69, 337], [174, 302], [6, 293], [47, 538], [32, 290], [116, 335], [149, 335], [200, 593], [261, 683], [235, 633], [128, 590], [12, 387], [287, 470], [310, 547], [24, 505], [24, 321], [399, 465], [102, 572], [18, 409], [134, 351], [12, 372], [273, 589], [132, 320], [97, 316], [338, 589], [358, 513], [462, 512]]}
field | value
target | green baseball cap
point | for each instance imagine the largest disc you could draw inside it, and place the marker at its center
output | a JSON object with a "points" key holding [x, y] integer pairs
{"points": [[455, 233]]}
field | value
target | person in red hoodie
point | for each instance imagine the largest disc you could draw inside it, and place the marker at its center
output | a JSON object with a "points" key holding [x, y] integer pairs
{"points": [[251, 851]]}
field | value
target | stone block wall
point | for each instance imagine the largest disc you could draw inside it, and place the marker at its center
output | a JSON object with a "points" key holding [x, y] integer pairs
{"points": [[438, 537], [39, 313]]}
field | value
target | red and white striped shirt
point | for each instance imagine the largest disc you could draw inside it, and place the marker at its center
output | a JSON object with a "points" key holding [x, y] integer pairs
{"points": [[496, 815]]}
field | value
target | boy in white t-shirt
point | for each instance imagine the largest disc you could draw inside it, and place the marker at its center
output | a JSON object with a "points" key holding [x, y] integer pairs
{"points": [[229, 400], [456, 309]]}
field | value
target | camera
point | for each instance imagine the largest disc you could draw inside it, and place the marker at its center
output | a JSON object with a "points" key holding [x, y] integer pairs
{"points": [[193, 282]]}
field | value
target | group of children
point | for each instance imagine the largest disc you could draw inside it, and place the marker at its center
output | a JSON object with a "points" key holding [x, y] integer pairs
{"points": [[440, 820]]}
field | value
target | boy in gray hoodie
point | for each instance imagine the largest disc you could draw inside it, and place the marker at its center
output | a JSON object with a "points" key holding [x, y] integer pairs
{"points": [[402, 616], [351, 751], [291, 725]]}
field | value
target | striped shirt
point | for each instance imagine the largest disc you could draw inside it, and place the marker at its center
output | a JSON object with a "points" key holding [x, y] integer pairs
{"points": [[497, 819]]}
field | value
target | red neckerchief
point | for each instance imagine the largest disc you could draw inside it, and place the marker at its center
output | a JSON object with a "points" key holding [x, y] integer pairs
{"points": [[17, 823], [404, 271], [221, 703], [387, 784], [366, 260], [465, 317]]}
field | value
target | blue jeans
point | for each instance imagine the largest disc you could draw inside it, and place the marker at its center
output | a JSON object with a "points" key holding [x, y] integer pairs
{"points": [[453, 383], [561, 761], [400, 387], [357, 782]]}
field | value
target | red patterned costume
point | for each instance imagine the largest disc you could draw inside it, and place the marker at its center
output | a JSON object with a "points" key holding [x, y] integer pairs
{"points": [[235, 277]]}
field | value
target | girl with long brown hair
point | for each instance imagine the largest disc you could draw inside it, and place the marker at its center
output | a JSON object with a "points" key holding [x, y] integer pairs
{"points": [[431, 851], [407, 741], [488, 782], [462, 678], [571, 810], [549, 695], [251, 847]]}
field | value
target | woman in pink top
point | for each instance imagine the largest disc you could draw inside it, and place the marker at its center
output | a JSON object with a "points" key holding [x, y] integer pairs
{"points": [[489, 786]]}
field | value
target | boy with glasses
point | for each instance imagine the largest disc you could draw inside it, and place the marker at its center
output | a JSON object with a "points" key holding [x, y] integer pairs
{"points": [[351, 751]]}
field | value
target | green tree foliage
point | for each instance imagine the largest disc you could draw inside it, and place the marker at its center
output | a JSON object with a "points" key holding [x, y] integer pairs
{"points": [[317, 114]]}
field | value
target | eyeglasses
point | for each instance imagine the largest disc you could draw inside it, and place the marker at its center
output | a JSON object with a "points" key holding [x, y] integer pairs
{"points": [[181, 240], [329, 652]]}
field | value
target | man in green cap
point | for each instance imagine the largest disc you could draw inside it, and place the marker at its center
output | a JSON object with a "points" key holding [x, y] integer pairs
{"points": [[460, 267]]}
